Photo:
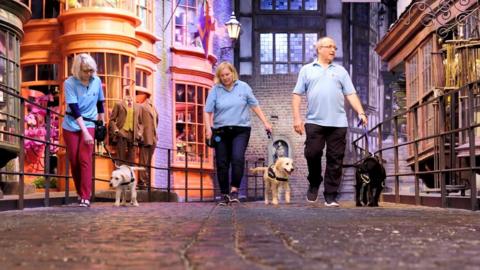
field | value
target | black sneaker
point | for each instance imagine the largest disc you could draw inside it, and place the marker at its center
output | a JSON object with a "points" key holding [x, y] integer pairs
{"points": [[225, 200], [312, 194], [234, 197]]}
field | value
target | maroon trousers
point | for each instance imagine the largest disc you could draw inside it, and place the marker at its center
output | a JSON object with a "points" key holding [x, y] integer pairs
{"points": [[80, 158]]}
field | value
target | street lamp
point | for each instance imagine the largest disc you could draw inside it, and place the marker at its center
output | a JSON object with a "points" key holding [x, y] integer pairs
{"points": [[233, 29]]}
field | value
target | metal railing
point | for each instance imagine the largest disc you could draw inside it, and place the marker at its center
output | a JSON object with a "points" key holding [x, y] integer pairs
{"points": [[449, 164], [250, 190]]}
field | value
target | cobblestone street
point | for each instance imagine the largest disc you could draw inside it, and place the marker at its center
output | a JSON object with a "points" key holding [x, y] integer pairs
{"points": [[246, 236]]}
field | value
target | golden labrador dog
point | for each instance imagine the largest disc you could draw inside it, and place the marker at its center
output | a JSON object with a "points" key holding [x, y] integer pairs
{"points": [[276, 178], [122, 179]]}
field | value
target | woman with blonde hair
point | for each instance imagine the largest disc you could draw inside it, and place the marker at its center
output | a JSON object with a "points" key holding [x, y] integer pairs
{"points": [[84, 98], [227, 123]]}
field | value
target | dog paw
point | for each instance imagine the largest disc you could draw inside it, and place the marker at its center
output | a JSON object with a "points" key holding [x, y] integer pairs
{"points": [[116, 204], [274, 202], [266, 202], [135, 204]]}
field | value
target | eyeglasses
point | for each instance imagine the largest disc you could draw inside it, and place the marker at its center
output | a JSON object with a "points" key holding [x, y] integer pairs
{"points": [[329, 47], [88, 70]]}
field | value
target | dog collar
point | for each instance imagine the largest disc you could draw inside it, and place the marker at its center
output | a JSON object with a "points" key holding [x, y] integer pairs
{"points": [[132, 179], [271, 174]]}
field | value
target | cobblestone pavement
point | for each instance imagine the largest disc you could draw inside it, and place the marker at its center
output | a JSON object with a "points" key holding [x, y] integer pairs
{"points": [[246, 236]]}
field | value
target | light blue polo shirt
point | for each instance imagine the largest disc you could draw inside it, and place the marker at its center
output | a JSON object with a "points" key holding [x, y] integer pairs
{"points": [[85, 97], [325, 89], [231, 108]]}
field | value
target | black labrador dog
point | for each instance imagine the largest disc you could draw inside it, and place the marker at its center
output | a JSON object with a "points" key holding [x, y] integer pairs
{"points": [[370, 180]]}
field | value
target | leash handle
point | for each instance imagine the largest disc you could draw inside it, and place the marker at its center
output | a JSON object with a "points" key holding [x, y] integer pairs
{"points": [[269, 134]]}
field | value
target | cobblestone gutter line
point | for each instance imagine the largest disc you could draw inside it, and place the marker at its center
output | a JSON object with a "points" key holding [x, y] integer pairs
{"points": [[203, 228]]}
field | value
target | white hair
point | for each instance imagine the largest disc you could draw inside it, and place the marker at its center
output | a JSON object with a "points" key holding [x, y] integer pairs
{"points": [[85, 59]]}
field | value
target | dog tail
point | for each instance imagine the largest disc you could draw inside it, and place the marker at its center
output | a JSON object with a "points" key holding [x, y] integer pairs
{"points": [[138, 168], [259, 170]]}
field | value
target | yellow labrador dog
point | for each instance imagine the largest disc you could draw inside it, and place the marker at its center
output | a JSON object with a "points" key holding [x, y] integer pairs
{"points": [[122, 179], [276, 178]]}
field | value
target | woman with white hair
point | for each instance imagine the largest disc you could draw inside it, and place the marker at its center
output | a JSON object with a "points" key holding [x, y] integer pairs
{"points": [[84, 98]]}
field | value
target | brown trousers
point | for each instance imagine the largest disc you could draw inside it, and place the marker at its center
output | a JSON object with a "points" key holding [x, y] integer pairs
{"points": [[146, 153], [125, 149]]}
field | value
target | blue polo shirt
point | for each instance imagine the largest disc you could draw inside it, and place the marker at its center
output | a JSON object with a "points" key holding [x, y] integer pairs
{"points": [[231, 108], [325, 89], [85, 97]]}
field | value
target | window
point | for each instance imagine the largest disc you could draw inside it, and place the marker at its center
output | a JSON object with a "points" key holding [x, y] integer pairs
{"points": [[9, 83], [283, 53], [144, 12], [41, 72], [44, 9], [189, 127], [141, 78], [280, 5], [185, 22]]}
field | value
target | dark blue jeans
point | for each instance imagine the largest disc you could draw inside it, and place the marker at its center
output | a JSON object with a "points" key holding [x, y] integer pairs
{"points": [[335, 139], [230, 152]]}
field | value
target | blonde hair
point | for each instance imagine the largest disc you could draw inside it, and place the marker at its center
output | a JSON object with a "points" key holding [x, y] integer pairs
{"points": [[85, 59], [223, 66]]}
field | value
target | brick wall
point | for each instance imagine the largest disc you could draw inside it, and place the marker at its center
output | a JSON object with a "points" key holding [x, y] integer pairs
{"points": [[274, 93]]}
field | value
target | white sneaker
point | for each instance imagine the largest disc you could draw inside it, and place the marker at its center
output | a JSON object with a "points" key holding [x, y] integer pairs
{"points": [[332, 204]]}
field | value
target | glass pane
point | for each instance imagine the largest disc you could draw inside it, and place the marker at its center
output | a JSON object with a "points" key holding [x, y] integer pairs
{"points": [[37, 9], [295, 4], [296, 47], [145, 79], [138, 77], [200, 91], [51, 8], [28, 72], [310, 52], [266, 4], [266, 47], [11, 75], [3, 43], [46, 72], [200, 114], [113, 65], [191, 133], [191, 93], [180, 132], [112, 92], [3, 70], [281, 5], [180, 93], [69, 64], [100, 59], [126, 66], [191, 25], [281, 68], [310, 4], [266, 69], [190, 115], [281, 47], [11, 46]]}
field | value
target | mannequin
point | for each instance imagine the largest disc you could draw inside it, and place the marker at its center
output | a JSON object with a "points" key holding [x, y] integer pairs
{"points": [[123, 130], [147, 134]]}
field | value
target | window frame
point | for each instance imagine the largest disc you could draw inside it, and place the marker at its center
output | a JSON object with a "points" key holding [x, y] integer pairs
{"points": [[289, 62], [183, 124]]}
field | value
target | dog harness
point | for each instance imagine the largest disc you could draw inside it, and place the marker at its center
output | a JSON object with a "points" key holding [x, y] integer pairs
{"points": [[271, 174], [132, 178]]}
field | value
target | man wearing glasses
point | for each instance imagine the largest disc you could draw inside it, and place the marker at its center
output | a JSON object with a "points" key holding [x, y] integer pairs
{"points": [[326, 86]]}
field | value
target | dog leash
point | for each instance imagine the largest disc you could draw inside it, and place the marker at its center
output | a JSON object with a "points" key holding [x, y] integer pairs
{"points": [[109, 154]]}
